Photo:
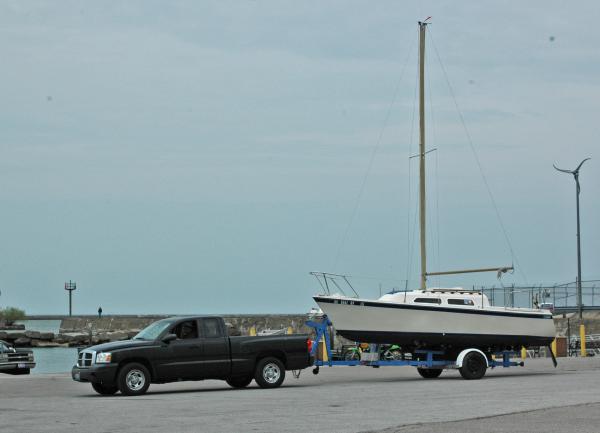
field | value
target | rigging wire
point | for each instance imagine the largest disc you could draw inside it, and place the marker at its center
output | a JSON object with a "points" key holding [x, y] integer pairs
{"points": [[437, 211], [435, 232], [476, 156], [370, 164]]}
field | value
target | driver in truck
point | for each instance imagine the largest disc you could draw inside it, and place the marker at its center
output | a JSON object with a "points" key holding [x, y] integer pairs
{"points": [[186, 330]]}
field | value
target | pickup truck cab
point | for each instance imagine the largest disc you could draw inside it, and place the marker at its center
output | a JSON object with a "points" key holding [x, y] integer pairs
{"points": [[190, 348], [15, 361]]}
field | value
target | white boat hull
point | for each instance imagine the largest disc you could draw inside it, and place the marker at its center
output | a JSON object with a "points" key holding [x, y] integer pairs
{"points": [[412, 325]]}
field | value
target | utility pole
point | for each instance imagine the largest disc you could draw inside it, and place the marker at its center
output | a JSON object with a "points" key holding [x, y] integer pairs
{"points": [[70, 286], [575, 174]]}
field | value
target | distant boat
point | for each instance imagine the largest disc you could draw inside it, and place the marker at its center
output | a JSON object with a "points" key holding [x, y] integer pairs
{"points": [[427, 318]]}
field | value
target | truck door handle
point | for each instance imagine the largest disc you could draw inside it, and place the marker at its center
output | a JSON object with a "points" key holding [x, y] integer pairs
{"points": [[194, 347]]}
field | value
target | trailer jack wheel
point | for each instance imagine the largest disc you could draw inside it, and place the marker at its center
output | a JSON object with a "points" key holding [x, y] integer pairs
{"points": [[316, 370]]}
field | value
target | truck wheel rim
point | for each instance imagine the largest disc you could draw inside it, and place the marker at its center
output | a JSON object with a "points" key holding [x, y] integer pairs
{"points": [[271, 373], [135, 380]]}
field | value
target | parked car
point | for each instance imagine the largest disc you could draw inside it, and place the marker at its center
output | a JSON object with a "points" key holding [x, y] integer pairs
{"points": [[190, 348], [15, 361]]}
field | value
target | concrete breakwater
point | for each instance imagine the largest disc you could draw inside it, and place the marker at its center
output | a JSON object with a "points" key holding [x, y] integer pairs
{"points": [[85, 330]]}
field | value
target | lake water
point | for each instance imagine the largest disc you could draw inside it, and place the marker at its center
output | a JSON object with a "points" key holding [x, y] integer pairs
{"points": [[41, 325], [50, 359], [54, 359]]}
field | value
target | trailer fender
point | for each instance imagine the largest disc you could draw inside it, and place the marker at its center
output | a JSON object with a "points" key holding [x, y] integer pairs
{"points": [[461, 356]]}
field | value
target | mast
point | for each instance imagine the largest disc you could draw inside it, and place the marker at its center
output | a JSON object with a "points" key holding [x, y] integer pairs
{"points": [[422, 28]]}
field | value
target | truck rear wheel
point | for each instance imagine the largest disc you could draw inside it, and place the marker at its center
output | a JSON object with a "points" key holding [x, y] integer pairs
{"points": [[239, 382], [133, 379], [473, 367], [270, 373], [103, 389], [429, 373]]}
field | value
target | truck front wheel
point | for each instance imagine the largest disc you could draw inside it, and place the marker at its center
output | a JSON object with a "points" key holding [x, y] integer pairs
{"points": [[239, 382], [270, 373], [133, 379], [103, 389]]}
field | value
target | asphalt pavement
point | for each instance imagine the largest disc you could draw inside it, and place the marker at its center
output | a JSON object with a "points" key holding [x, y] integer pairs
{"points": [[533, 398]]}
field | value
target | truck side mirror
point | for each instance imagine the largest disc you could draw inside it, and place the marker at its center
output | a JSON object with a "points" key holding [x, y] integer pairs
{"points": [[168, 338]]}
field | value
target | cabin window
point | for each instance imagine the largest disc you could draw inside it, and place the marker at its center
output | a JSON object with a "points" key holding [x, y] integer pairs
{"points": [[186, 330], [428, 300], [211, 328], [460, 302]]}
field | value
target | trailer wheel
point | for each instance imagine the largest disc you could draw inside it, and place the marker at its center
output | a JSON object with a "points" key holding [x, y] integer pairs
{"points": [[270, 373], [429, 373], [239, 382], [473, 366]]}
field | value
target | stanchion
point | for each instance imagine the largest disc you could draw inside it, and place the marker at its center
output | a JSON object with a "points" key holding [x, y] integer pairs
{"points": [[582, 339]]}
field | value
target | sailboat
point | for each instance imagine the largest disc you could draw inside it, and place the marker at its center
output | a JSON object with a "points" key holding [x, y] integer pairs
{"points": [[430, 318]]}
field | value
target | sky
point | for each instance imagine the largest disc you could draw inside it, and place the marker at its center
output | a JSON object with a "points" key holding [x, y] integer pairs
{"points": [[205, 156]]}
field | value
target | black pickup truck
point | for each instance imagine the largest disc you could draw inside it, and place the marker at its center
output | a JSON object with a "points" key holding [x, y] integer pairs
{"points": [[15, 361], [190, 348]]}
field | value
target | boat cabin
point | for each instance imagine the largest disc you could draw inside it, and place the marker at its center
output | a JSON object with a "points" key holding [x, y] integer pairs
{"points": [[446, 297]]}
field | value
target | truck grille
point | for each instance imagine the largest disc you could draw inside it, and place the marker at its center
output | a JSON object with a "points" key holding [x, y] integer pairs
{"points": [[85, 359], [18, 357]]}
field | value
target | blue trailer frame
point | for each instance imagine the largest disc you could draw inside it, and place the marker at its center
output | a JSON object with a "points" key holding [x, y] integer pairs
{"points": [[322, 332]]}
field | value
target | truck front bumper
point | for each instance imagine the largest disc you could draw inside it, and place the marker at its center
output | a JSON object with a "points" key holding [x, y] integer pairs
{"points": [[105, 374], [12, 366]]}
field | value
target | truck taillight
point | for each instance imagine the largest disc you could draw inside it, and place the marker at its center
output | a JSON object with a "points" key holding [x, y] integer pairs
{"points": [[309, 345]]}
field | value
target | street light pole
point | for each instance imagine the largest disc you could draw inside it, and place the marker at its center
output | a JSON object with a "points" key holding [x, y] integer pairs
{"points": [[575, 174]]}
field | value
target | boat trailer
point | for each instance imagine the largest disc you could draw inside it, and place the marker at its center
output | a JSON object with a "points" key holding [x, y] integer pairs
{"points": [[426, 364]]}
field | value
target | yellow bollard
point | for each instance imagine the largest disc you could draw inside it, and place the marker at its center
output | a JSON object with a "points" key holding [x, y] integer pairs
{"points": [[553, 347], [290, 330], [323, 350], [523, 353], [252, 332], [582, 339]]}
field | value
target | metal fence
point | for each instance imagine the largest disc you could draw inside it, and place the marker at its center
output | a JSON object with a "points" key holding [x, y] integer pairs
{"points": [[561, 296]]}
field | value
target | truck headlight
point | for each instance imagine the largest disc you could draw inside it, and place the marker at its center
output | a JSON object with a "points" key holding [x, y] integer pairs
{"points": [[30, 356], [103, 358], [3, 357]]}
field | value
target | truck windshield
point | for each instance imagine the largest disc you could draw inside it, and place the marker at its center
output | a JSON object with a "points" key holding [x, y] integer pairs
{"points": [[152, 331]]}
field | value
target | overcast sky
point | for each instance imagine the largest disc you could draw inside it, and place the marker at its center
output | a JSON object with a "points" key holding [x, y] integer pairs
{"points": [[203, 157]]}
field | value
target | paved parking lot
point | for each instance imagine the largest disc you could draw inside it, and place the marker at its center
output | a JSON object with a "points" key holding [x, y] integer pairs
{"points": [[536, 397]]}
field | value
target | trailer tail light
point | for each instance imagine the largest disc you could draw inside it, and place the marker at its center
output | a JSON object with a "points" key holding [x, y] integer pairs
{"points": [[309, 345]]}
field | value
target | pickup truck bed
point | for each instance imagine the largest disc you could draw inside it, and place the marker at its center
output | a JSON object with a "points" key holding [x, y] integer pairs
{"points": [[190, 348]]}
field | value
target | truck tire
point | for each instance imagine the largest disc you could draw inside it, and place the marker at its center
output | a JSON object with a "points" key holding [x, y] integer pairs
{"points": [[473, 367], [429, 373], [104, 389], [133, 379], [270, 373], [239, 382]]}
